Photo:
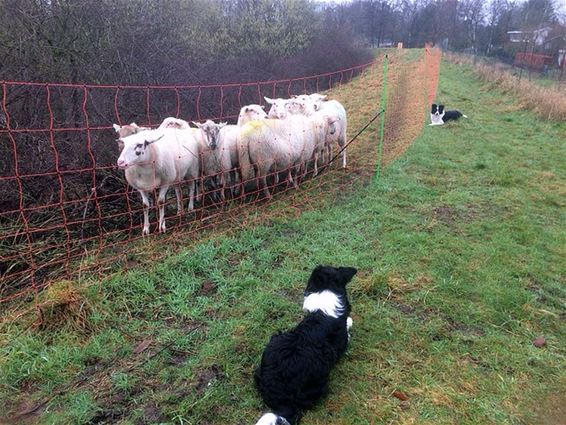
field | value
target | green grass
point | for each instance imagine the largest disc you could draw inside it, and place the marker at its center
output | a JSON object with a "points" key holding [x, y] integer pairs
{"points": [[460, 249]]}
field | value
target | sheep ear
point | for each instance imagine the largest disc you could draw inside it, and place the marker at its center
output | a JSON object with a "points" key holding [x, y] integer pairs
{"points": [[134, 125], [149, 142], [268, 100], [222, 124], [116, 128], [199, 125]]}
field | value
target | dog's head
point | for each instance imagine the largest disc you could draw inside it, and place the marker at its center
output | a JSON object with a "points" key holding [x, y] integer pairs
{"points": [[437, 110], [330, 278]]}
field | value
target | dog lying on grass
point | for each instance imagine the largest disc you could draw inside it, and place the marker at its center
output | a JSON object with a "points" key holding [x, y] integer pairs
{"points": [[295, 366], [438, 116]]}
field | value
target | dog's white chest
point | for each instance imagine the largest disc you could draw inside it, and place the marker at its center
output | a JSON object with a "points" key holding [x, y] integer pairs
{"points": [[326, 301]]}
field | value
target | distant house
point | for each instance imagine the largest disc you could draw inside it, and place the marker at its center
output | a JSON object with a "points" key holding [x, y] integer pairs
{"points": [[537, 36], [516, 36]]}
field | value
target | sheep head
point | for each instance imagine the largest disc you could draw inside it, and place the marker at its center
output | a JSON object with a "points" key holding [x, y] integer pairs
{"points": [[211, 131], [134, 148], [250, 113], [278, 108]]}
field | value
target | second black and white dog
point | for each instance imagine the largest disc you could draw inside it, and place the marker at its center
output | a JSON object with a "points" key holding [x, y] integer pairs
{"points": [[295, 366], [438, 116]]}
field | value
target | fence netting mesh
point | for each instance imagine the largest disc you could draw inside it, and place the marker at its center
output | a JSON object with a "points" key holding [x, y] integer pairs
{"points": [[67, 211]]}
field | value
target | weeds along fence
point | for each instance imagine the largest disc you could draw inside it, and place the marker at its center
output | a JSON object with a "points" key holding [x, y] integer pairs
{"points": [[537, 92], [67, 212]]}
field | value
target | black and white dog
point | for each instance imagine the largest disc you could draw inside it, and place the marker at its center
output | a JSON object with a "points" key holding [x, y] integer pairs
{"points": [[295, 366], [439, 116]]}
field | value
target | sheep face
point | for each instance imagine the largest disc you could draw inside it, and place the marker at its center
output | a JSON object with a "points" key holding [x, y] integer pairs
{"points": [[251, 113], [278, 109], [332, 124], [301, 106], [211, 131], [317, 100], [135, 148], [295, 107]]}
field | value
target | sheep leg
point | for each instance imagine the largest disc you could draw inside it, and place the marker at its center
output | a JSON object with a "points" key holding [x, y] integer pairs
{"points": [[145, 201], [199, 183], [234, 185], [192, 188], [179, 195], [342, 143], [290, 177], [263, 181], [222, 186], [161, 202], [315, 164]]}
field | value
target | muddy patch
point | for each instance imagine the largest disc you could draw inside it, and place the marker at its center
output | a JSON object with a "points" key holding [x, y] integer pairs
{"points": [[206, 376], [152, 414], [207, 289], [450, 215], [178, 357]]}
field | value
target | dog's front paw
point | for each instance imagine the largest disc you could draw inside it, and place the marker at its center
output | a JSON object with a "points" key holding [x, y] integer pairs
{"points": [[349, 323]]}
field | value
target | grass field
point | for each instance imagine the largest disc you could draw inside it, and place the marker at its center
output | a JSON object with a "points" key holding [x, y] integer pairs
{"points": [[460, 249]]}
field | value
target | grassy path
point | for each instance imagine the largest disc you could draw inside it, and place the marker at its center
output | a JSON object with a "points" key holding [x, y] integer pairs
{"points": [[461, 251]]}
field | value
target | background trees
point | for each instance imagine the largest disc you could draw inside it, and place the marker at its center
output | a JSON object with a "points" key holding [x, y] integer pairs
{"points": [[199, 41]]}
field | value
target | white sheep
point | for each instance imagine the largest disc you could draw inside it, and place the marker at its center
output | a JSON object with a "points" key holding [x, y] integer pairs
{"points": [[222, 140], [250, 113], [273, 146], [133, 128], [216, 157], [326, 128], [159, 158], [314, 103], [278, 108], [172, 122]]}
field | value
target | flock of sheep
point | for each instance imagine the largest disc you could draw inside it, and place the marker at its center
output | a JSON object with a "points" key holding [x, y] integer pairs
{"points": [[295, 133]]}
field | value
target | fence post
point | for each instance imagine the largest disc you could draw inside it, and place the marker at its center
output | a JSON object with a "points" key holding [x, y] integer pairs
{"points": [[382, 121]]}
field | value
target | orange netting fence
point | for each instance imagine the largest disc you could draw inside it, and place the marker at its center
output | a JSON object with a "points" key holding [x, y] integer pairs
{"points": [[66, 208]]}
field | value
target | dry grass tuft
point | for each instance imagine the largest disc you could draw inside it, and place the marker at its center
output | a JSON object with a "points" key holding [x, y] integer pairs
{"points": [[548, 103], [63, 305]]}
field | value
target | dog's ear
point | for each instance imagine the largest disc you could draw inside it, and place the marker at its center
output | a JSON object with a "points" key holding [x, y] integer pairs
{"points": [[346, 274]]}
